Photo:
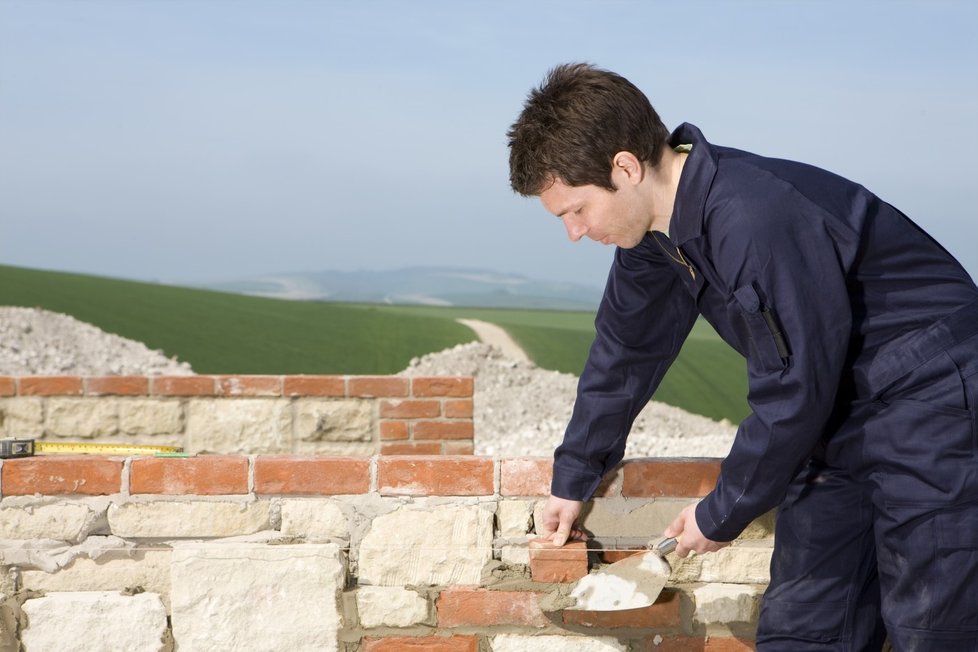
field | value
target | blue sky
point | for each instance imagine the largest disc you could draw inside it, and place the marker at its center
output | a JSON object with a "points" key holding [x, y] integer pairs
{"points": [[206, 140]]}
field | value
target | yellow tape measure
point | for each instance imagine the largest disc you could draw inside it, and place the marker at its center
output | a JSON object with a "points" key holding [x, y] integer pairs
{"points": [[27, 447]]}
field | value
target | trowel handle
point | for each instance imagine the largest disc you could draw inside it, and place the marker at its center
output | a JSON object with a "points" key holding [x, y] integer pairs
{"points": [[666, 546]]}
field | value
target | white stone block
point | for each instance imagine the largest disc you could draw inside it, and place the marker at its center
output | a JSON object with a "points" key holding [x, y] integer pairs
{"points": [[333, 420], [515, 517], [512, 554], [737, 565], [145, 569], [21, 417], [256, 597], [241, 425], [314, 520], [142, 417], [81, 417], [726, 603], [64, 522], [163, 518], [517, 643], [427, 546], [94, 620], [381, 606]]}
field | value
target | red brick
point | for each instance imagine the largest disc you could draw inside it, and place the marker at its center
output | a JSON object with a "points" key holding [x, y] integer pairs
{"points": [[393, 430], [117, 386], [411, 448], [320, 476], [314, 386], [183, 386], [50, 386], [610, 555], [550, 563], [485, 608], [370, 386], [458, 408], [669, 477], [443, 430], [664, 614], [458, 447], [525, 476], [435, 476], [250, 385], [700, 644], [8, 386], [454, 386], [409, 409], [77, 474], [207, 475], [422, 644]]}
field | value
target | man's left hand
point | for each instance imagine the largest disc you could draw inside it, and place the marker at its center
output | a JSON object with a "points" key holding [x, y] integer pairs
{"points": [[690, 538]]}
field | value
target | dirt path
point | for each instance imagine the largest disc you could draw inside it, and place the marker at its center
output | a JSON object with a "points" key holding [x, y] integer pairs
{"points": [[496, 336]]}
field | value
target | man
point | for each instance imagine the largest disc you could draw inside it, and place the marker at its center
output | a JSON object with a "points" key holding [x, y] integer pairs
{"points": [[861, 339]]}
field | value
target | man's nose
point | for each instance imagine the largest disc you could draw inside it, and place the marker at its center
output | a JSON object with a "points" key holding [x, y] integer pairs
{"points": [[575, 230]]}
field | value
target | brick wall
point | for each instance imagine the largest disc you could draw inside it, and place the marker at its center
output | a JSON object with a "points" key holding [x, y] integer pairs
{"points": [[353, 554], [316, 415]]}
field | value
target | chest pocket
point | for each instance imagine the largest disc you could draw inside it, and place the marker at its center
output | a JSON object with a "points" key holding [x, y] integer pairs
{"points": [[767, 344]]}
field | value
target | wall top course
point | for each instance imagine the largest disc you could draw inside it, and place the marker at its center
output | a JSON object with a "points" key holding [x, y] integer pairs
{"points": [[241, 385], [390, 475]]}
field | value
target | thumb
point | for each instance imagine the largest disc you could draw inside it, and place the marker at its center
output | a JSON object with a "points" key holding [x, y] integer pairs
{"points": [[560, 536]]}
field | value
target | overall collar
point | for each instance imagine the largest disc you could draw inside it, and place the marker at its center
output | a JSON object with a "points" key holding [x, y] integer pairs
{"points": [[694, 184]]}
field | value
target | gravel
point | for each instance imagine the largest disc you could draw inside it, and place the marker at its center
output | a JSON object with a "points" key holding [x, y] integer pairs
{"points": [[520, 409], [36, 342]]}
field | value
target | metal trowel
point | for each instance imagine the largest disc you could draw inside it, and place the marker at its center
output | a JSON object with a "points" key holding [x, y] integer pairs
{"points": [[631, 583]]}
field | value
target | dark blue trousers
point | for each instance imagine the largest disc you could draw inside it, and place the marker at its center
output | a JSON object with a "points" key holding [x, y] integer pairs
{"points": [[878, 536]]}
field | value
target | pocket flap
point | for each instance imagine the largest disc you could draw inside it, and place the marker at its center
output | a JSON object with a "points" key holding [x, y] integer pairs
{"points": [[747, 298]]}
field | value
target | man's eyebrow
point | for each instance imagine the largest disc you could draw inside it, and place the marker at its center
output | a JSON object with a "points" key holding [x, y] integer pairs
{"points": [[568, 209]]}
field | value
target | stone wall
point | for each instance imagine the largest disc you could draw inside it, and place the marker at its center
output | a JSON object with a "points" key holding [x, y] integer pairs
{"points": [[352, 554], [316, 415], [325, 513]]}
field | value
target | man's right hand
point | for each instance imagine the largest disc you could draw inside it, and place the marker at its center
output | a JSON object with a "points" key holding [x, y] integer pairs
{"points": [[560, 521]]}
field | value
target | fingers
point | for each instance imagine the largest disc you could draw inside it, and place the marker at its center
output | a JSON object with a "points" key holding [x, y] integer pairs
{"points": [[684, 529], [559, 522], [560, 536], [690, 537]]}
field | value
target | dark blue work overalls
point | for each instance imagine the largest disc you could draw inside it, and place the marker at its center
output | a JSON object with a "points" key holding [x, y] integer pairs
{"points": [[861, 339]]}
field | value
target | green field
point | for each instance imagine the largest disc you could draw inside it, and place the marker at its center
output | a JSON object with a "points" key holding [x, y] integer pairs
{"points": [[228, 333]]}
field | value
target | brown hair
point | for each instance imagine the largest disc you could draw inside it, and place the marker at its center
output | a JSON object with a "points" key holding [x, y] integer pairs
{"points": [[572, 126]]}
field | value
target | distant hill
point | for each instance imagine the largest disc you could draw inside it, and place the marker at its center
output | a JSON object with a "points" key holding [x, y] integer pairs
{"points": [[428, 286]]}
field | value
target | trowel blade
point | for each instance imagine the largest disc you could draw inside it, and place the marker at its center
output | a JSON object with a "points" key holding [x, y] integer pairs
{"points": [[631, 583]]}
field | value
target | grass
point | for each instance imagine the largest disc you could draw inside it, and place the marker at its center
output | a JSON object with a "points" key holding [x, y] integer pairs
{"points": [[227, 333]]}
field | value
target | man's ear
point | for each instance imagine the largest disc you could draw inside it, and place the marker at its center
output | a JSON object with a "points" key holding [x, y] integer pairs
{"points": [[627, 167]]}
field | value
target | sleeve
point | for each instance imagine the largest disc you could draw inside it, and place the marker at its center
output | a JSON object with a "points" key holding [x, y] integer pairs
{"points": [[644, 317], [784, 260]]}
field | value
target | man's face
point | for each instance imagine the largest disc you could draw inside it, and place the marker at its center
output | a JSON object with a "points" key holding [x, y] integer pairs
{"points": [[611, 218]]}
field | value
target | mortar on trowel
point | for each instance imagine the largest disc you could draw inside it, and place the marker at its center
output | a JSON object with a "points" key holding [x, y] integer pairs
{"points": [[631, 583]]}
